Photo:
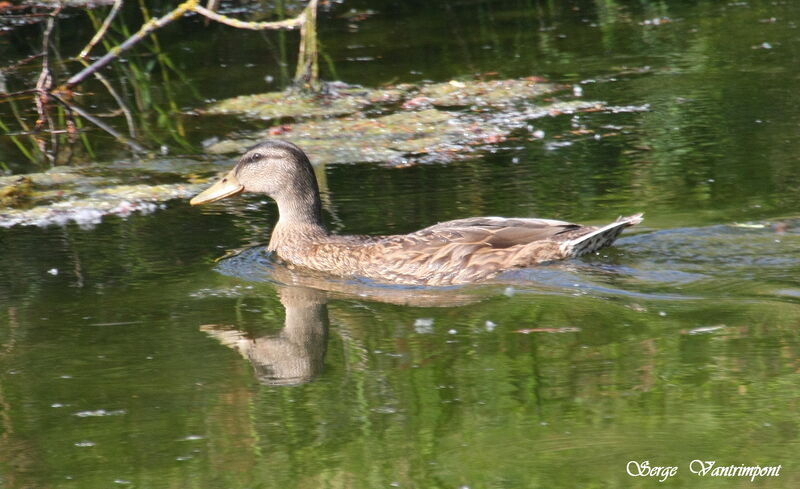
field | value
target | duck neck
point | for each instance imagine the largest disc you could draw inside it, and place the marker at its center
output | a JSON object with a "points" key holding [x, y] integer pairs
{"points": [[300, 221]]}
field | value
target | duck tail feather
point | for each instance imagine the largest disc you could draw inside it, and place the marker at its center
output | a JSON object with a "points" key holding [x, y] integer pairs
{"points": [[599, 238]]}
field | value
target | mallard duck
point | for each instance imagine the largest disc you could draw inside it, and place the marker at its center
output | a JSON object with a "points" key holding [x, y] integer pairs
{"points": [[453, 252]]}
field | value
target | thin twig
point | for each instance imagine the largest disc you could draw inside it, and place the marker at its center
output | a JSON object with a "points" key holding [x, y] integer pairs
{"points": [[20, 63], [307, 73], [43, 86], [287, 24], [147, 28], [17, 142], [120, 102], [13, 95], [31, 155], [102, 125], [102, 31], [98, 36], [179, 11], [212, 6], [56, 131], [45, 81]]}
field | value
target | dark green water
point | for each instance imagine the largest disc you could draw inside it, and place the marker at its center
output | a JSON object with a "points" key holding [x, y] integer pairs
{"points": [[118, 365]]}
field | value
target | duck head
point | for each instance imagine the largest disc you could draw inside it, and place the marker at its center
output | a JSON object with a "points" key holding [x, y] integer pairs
{"points": [[276, 168]]}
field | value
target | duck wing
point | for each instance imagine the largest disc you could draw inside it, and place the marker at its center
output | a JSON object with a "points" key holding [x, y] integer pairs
{"points": [[460, 251], [466, 250], [499, 232], [473, 249]]}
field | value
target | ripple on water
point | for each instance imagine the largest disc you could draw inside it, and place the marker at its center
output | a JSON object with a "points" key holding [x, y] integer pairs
{"points": [[675, 264], [713, 260]]}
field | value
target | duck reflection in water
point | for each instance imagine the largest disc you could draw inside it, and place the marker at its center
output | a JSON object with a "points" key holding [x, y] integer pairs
{"points": [[296, 354]]}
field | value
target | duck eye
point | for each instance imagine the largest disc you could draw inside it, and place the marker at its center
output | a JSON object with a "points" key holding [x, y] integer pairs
{"points": [[255, 157]]}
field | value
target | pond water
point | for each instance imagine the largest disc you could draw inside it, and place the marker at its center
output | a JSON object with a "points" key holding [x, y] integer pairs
{"points": [[129, 357]]}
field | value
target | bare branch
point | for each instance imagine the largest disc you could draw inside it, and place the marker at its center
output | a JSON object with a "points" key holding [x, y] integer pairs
{"points": [[45, 81], [43, 86], [118, 99], [144, 31], [307, 72], [180, 10], [102, 31], [288, 24], [22, 62], [102, 125], [212, 6]]}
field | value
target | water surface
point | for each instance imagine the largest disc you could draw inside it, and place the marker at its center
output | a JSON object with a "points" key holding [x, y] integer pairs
{"points": [[130, 358]]}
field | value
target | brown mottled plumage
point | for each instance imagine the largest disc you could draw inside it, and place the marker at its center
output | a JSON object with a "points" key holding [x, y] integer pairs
{"points": [[453, 252]]}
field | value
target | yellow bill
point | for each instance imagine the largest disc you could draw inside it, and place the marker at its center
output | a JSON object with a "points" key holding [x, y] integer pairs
{"points": [[229, 185]]}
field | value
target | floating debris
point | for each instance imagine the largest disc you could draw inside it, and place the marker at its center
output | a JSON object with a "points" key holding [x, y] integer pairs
{"points": [[656, 21], [121, 200], [566, 329], [423, 325], [438, 122], [235, 291], [703, 329], [748, 225], [82, 196], [340, 99], [192, 438], [100, 413], [15, 191], [494, 93]]}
